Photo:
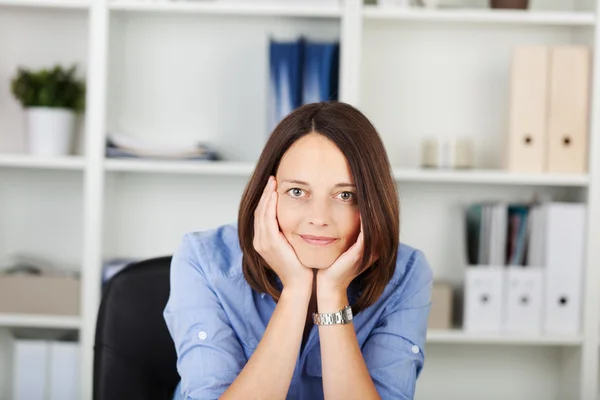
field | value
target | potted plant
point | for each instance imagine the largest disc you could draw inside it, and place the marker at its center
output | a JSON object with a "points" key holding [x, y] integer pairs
{"points": [[52, 98]]}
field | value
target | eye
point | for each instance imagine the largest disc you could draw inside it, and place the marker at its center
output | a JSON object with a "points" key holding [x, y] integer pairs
{"points": [[295, 192], [348, 196]]}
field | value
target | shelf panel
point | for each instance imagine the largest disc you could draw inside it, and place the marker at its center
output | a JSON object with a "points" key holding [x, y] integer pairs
{"points": [[489, 177], [76, 4], [256, 9], [28, 161], [181, 167], [460, 337], [39, 321], [244, 169], [525, 17]]}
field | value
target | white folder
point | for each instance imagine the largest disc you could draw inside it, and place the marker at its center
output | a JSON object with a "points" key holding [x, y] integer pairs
{"points": [[30, 373], [524, 299], [565, 231], [64, 371], [483, 300]]}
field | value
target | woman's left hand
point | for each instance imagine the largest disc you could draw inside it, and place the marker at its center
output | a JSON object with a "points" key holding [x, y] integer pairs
{"points": [[342, 272]]}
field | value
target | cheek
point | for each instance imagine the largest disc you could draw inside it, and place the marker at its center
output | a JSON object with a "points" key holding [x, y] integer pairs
{"points": [[287, 215], [348, 224]]}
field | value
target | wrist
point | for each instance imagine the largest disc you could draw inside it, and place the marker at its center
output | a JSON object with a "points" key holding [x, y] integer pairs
{"points": [[331, 299], [297, 293], [326, 287]]}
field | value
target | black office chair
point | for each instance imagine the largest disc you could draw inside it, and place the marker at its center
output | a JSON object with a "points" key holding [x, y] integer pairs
{"points": [[134, 355]]}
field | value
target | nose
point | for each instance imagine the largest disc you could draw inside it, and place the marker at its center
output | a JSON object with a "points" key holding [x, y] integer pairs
{"points": [[319, 212]]}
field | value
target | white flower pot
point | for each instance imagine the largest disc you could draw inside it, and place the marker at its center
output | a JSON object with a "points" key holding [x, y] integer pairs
{"points": [[50, 130]]}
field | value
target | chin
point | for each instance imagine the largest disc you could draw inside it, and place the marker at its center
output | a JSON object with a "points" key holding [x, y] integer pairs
{"points": [[316, 261]]}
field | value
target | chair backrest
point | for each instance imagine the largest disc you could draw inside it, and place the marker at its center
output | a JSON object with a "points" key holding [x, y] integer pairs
{"points": [[134, 355]]}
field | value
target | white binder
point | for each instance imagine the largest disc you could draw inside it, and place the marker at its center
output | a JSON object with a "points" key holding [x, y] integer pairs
{"points": [[524, 299], [564, 256], [30, 372], [64, 371], [483, 302]]}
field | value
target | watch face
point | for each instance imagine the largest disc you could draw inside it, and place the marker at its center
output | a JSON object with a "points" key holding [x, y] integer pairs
{"points": [[348, 314]]}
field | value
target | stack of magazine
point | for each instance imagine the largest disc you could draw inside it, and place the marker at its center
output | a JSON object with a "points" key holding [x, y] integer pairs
{"points": [[122, 146]]}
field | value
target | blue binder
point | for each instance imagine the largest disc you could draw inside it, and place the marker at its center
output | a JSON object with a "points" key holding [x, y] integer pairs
{"points": [[320, 72], [285, 81], [301, 72]]}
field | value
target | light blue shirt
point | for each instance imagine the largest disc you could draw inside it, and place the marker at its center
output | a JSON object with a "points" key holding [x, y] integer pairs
{"points": [[216, 320]]}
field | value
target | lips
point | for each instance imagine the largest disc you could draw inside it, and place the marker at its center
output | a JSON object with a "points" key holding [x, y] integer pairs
{"points": [[318, 240]]}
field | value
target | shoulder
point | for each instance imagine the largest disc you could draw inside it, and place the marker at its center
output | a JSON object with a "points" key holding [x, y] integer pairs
{"points": [[413, 272], [216, 251]]}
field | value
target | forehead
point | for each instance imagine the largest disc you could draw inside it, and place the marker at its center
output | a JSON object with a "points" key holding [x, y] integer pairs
{"points": [[315, 158]]}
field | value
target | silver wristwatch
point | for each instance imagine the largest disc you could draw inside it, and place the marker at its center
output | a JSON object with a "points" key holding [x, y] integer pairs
{"points": [[344, 316]]}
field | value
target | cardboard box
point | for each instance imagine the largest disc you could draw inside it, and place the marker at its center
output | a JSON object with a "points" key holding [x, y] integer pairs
{"points": [[39, 295], [440, 315]]}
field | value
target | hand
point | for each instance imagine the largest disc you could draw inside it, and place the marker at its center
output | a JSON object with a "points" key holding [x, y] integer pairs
{"points": [[342, 272], [272, 245]]}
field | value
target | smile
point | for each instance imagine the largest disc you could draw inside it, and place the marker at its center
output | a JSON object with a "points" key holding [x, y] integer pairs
{"points": [[317, 240]]}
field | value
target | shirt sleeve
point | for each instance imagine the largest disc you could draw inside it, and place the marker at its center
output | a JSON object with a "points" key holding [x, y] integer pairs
{"points": [[209, 354], [393, 352]]}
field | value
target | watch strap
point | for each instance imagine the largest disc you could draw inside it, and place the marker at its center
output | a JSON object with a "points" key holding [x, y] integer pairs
{"points": [[344, 316]]}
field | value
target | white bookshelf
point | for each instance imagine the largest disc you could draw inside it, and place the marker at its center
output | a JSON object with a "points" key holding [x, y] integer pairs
{"points": [[457, 336], [485, 16], [418, 175], [221, 168], [74, 4], [48, 163], [241, 9], [488, 177], [39, 321], [414, 72]]}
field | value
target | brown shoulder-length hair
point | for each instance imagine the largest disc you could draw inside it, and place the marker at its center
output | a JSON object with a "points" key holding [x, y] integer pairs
{"points": [[377, 196]]}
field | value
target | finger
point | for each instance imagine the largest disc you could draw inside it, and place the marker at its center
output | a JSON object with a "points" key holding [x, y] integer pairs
{"points": [[264, 198], [271, 216], [260, 211], [360, 246], [267, 208], [356, 248], [270, 189]]}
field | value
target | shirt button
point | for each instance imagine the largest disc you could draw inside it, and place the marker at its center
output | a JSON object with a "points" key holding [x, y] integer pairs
{"points": [[202, 335], [415, 349]]}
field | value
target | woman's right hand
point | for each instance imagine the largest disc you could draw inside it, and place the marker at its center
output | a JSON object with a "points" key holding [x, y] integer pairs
{"points": [[272, 245]]}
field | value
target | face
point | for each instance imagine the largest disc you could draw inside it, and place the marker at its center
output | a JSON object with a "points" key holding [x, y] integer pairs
{"points": [[317, 209]]}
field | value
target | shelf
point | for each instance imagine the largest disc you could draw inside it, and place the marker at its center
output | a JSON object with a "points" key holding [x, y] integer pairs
{"points": [[28, 161], [244, 169], [39, 321], [525, 17], [226, 8], [181, 167], [76, 4], [489, 177], [459, 336]]}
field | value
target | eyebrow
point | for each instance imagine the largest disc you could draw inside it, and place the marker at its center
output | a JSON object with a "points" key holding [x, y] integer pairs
{"points": [[297, 182]]}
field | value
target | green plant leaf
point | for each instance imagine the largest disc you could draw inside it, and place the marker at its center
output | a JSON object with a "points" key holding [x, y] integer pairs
{"points": [[49, 87]]}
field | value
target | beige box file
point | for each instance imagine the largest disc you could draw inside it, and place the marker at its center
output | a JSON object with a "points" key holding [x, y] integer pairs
{"points": [[528, 109], [568, 109], [440, 314], [39, 295]]}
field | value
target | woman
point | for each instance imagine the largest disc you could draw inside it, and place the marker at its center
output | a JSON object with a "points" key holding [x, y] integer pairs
{"points": [[310, 295]]}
